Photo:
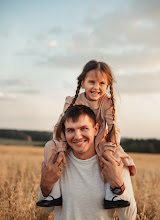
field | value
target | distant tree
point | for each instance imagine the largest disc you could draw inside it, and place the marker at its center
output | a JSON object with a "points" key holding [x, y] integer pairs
{"points": [[141, 145], [24, 134]]}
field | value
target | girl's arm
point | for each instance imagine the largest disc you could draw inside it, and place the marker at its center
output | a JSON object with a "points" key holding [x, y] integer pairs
{"points": [[100, 141], [62, 145], [115, 138]]}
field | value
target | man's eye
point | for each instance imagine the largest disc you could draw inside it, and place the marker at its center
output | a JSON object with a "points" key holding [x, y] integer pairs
{"points": [[69, 130], [83, 129]]}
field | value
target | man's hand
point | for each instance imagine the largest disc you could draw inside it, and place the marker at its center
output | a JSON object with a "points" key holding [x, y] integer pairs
{"points": [[112, 172], [51, 173]]}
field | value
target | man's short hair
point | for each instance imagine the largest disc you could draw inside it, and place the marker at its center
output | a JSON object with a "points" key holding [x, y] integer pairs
{"points": [[73, 113], [76, 111]]}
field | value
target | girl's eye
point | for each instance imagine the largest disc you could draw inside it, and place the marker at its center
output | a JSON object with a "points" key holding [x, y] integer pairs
{"points": [[91, 81], [102, 83]]}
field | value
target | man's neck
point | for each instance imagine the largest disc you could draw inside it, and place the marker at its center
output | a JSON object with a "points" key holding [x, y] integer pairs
{"points": [[84, 156]]}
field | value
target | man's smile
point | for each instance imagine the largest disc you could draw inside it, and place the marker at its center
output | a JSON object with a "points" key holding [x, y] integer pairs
{"points": [[79, 142]]}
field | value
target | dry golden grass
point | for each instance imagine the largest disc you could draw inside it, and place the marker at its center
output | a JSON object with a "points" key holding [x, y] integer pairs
{"points": [[20, 176]]}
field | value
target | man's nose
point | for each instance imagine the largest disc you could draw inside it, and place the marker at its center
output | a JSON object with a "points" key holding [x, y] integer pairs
{"points": [[78, 134]]}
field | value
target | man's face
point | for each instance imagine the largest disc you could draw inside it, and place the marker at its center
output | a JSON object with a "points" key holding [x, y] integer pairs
{"points": [[80, 136]]}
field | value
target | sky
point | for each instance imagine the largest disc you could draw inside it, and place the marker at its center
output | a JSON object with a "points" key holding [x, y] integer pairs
{"points": [[45, 45]]}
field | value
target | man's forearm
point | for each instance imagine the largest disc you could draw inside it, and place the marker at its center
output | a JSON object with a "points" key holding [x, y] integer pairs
{"points": [[45, 188], [50, 174], [116, 183]]}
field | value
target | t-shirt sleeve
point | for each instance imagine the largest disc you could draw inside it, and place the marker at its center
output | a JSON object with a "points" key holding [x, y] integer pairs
{"points": [[128, 195]]}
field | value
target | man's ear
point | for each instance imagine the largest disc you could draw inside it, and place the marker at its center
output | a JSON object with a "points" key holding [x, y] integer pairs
{"points": [[96, 127]]}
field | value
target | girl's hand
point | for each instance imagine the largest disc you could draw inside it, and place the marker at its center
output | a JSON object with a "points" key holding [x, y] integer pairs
{"points": [[108, 155]]}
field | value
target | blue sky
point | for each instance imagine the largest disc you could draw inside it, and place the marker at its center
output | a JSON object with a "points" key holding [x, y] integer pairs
{"points": [[45, 44]]}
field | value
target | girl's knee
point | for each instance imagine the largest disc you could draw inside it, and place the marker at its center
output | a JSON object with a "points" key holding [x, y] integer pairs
{"points": [[49, 147]]}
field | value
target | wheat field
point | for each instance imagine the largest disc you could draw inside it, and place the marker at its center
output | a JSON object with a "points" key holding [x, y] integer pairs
{"points": [[20, 176]]}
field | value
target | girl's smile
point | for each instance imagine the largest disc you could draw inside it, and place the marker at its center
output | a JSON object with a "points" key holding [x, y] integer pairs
{"points": [[95, 84]]}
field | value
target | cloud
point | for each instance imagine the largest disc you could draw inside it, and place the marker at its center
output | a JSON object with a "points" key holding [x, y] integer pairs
{"points": [[80, 42], [127, 61], [126, 39], [7, 96], [139, 83], [146, 8], [30, 52], [1, 94], [28, 91], [53, 43], [43, 38], [69, 61], [54, 31], [57, 30], [4, 35], [124, 28], [37, 47], [15, 82], [14, 86], [120, 32]]}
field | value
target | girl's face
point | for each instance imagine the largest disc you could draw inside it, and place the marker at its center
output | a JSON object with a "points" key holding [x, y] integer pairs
{"points": [[95, 84]]}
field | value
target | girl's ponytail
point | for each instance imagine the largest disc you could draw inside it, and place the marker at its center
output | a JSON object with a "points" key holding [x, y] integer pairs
{"points": [[77, 93], [112, 131], [60, 125]]}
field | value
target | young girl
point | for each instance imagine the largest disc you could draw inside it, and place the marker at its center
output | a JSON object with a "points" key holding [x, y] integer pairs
{"points": [[96, 78]]}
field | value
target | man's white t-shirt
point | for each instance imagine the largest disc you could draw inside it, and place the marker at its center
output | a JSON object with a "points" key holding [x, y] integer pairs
{"points": [[82, 192]]}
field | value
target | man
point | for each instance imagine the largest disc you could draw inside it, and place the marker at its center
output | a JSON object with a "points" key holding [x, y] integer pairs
{"points": [[81, 184]]}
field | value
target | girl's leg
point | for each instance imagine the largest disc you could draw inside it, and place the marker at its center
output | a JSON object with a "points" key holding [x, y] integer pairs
{"points": [[112, 200], [108, 193], [55, 193]]}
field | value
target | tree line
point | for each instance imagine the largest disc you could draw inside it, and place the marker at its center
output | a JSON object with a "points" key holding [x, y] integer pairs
{"points": [[26, 135], [128, 144], [141, 145]]}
